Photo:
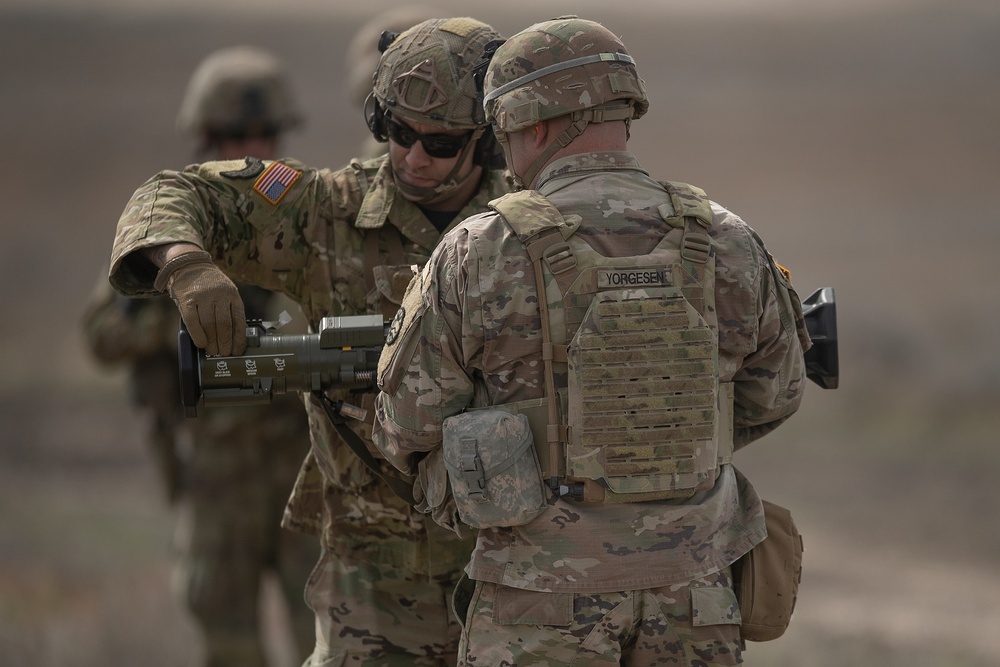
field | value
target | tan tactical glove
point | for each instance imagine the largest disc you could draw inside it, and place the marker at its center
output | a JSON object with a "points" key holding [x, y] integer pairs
{"points": [[208, 301]]}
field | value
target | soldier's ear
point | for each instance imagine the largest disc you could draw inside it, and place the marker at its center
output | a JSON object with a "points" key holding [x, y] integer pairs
{"points": [[541, 130]]}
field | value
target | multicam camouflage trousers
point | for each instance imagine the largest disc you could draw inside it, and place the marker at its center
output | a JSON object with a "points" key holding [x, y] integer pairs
{"points": [[228, 539], [693, 624], [407, 622]]}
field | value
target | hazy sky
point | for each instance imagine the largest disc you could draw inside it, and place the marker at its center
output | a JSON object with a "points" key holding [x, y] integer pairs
{"points": [[132, 7]]}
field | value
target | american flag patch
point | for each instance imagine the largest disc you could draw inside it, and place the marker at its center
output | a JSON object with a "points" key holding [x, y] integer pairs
{"points": [[275, 182]]}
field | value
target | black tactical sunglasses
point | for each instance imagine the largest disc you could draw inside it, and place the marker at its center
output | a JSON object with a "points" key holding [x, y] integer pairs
{"points": [[435, 145]]}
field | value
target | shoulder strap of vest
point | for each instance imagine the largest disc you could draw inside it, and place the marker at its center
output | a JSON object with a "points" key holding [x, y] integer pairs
{"points": [[540, 227], [538, 224], [528, 212], [693, 214], [531, 215], [689, 202]]}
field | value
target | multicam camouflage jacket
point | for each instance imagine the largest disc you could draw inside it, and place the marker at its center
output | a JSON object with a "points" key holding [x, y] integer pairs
{"points": [[309, 234], [473, 339]]}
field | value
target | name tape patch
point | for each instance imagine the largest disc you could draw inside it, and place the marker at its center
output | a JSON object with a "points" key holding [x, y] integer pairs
{"points": [[633, 278], [276, 181]]}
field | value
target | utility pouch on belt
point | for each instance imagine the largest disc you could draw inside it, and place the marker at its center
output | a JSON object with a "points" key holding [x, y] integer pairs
{"points": [[493, 469], [767, 578]]}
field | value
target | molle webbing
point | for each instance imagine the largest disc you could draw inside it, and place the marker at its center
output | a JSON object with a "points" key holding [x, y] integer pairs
{"points": [[644, 416], [640, 359]]}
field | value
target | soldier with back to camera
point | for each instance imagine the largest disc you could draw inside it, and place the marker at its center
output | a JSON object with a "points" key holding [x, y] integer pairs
{"points": [[574, 371], [229, 472], [340, 242]]}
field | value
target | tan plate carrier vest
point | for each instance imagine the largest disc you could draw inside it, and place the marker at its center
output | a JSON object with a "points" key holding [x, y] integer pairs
{"points": [[643, 415]]}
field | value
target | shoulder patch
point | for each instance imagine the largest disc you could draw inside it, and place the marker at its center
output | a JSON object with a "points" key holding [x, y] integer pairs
{"points": [[410, 309], [785, 272], [275, 182], [395, 326], [253, 166]]}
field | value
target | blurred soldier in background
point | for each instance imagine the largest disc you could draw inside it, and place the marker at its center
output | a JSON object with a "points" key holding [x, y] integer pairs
{"points": [[340, 242], [362, 57], [230, 470]]}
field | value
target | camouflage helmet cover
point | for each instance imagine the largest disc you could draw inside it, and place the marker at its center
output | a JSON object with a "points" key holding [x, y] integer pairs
{"points": [[426, 74], [238, 90], [362, 54], [559, 67]]}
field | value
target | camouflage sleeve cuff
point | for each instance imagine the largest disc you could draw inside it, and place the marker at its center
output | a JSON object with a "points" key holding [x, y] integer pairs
{"points": [[168, 269], [397, 444]]}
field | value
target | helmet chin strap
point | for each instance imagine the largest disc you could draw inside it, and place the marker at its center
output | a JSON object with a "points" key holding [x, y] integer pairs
{"points": [[504, 140], [430, 196]]}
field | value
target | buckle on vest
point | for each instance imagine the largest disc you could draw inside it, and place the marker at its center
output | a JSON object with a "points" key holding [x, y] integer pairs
{"points": [[559, 258], [474, 474], [696, 247]]}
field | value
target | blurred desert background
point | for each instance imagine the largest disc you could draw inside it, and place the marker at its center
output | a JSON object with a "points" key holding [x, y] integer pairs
{"points": [[861, 139]]}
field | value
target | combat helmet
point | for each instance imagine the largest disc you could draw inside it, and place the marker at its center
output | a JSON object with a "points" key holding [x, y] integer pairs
{"points": [[567, 66], [362, 55], [426, 75], [238, 91]]}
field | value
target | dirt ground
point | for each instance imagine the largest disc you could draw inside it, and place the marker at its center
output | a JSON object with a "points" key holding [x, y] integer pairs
{"points": [[862, 142]]}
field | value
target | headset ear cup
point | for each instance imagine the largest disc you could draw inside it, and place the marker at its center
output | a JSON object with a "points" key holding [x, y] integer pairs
{"points": [[375, 119]]}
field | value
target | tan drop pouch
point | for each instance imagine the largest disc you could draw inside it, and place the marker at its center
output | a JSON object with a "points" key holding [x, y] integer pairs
{"points": [[767, 578]]}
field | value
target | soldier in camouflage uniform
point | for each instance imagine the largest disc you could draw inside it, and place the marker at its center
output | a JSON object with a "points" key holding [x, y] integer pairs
{"points": [[228, 479], [229, 472], [363, 54], [342, 242], [599, 571]]}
